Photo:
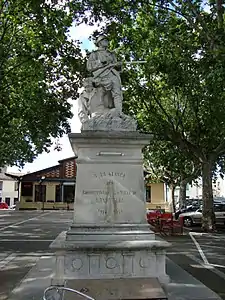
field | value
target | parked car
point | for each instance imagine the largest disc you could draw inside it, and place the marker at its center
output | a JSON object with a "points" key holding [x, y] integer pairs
{"points": [[190, 208], [4, 205], [195, 217]]}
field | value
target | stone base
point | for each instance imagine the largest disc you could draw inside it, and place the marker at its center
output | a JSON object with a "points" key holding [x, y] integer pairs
{"points": [[115, 289], [130, 259], [101, 234], [113, 120]]}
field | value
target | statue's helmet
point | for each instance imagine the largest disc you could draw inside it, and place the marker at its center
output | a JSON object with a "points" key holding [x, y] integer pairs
{"points": [[100, 38]]}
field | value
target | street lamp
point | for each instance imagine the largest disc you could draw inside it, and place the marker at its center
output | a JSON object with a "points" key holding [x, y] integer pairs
{"points": [[41, 193]]}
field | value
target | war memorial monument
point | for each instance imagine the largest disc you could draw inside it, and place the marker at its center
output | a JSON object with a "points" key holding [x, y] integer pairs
{"points": [[109, 252]]}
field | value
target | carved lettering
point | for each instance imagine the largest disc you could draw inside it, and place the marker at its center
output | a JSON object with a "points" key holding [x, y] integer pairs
{"points": [[104, 200], [125, 192], [98, 192], [110, 174], [104, 212], [104, 192]]}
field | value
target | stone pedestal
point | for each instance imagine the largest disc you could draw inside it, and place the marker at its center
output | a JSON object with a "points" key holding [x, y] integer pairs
{"points": [[110, 194], [109, 237]]}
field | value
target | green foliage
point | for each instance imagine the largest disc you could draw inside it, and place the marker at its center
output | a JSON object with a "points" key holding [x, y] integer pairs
{"points": [[166, 162], [40, 69], [179, 95]]}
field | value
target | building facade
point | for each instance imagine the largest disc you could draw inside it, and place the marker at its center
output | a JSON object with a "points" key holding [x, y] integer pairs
{"points": [[51, 188], [8, 188], [156, 196]]}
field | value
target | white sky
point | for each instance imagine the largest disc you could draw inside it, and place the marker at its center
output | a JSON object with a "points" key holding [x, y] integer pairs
{"points": [[45, 160]]}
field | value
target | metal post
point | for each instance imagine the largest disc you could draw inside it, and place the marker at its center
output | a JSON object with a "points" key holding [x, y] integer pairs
{"points": [[42, 198], [41, 193], [62, 193], [18, 190]]}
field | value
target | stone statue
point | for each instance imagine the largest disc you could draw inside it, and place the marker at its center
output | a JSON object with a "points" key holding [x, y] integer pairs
{"points": [[84, 100], [102, 64], [100, 104]]}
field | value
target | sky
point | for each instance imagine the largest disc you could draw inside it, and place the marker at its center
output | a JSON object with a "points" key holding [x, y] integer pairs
{"points": [[45, 160]]}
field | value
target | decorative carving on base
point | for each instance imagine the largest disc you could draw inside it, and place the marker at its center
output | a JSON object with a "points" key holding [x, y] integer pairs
{"points": [[113, 120], [122, 264], [111, 263], [77, 264]]}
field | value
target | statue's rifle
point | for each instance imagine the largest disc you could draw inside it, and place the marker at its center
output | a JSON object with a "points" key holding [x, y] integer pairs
{"points": [[101, 70]]}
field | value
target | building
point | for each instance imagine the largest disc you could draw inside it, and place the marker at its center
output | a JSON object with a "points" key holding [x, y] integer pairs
{"points": [[51, 188], [9, 188], [194, 191], [156, 196]]}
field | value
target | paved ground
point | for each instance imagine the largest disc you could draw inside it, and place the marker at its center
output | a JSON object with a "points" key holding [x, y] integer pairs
{"points": [[202, 256], [25, 237]]}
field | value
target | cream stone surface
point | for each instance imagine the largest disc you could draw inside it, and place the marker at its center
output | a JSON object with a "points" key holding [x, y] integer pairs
{"points": [[111, 195], [110, 184]]}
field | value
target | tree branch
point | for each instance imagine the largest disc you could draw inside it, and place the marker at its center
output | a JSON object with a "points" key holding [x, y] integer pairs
{"points": [[169, 119], [220, 150]]}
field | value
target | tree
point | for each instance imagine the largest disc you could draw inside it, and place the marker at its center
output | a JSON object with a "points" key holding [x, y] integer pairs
{"points": [[40, 69], [166, 162], [179, 94]]}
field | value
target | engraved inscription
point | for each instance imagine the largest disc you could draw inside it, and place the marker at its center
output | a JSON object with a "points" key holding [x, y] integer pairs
{"points": [[104, 200], [105, 212], [100, 175], [109, 200], [104, 192]]}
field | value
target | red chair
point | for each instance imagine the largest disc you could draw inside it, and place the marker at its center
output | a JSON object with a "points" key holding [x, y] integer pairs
{"points": [[169, 225], [3, 205], [152, 217]]}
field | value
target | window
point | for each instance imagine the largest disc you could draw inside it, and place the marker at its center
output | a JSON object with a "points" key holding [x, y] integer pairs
{"points": [[148, 193], [27, 189], [0, 170], [1, 185], [7, 200], [40, 193], [57, 193], [219, 207], [69, 193], [16, 186], [15, 200]]}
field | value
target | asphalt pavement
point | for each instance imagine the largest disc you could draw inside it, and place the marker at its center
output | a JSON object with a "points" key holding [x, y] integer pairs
{"points": [[202, 255], [25, 237]]}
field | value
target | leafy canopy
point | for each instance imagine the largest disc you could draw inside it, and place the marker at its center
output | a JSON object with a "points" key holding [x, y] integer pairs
{"points": [[40, 69]]}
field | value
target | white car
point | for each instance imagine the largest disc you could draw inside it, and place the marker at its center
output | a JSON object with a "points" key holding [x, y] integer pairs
{"points": [[12, 207], [195, 217]]}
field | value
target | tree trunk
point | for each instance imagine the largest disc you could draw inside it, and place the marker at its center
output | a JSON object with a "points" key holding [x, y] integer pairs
{"points": [[208, 216], [173, 187], [182, 193]]}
